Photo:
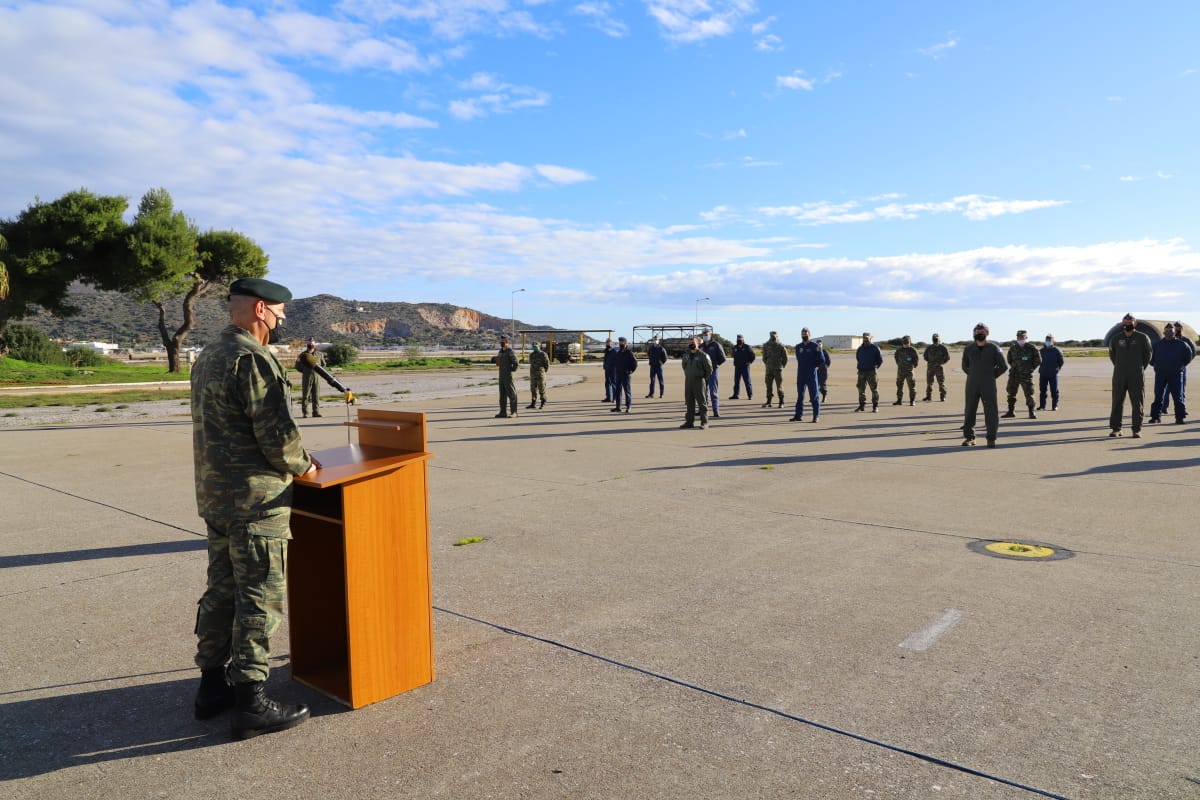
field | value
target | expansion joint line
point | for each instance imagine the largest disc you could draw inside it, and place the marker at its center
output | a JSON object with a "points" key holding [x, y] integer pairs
{"points": [[756, 706]]}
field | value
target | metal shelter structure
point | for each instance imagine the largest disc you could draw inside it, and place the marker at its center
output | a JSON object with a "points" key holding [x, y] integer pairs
{"points": [[562, 353], [674, 337]]}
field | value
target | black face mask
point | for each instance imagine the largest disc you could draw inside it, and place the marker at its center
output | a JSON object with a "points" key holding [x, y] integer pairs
{"points": [[804, 337], [1127, 326], [273, 334], [981, 337]]}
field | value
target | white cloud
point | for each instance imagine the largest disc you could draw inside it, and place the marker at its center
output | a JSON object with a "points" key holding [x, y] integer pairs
{"points": [[1115, 99], [762, 26], [939, 50], [794, 81], [1166, 176], [497, 98], [563, 175], [973, 207], [740, 133], [688, 21], [1129, 179], [451, 19], [600, 16], [769, 44]]}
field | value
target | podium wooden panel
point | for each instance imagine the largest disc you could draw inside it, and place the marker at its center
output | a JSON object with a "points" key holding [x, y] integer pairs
{"points": [[359, 592]]}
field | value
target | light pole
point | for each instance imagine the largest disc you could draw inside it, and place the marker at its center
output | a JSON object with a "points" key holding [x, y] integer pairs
{"points": [[513, 312], [698, 302]]}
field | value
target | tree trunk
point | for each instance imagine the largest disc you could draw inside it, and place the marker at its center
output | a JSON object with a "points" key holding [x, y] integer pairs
{"points": [[174, 341]]}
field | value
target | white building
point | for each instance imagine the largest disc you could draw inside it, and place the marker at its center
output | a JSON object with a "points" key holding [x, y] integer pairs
{"points": [[841, 342]]}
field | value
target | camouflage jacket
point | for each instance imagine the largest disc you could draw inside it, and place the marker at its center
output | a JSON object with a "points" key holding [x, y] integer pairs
{"points": [[538, 361], [906, 358], [1024, 359], [774, 355], [245, 444], [936, 355]]}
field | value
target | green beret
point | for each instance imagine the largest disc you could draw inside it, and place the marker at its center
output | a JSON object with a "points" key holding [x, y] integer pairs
{"points": [[262, 289]]}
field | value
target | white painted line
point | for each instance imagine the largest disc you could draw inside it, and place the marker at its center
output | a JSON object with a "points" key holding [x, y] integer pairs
{"points": [[923, 639]]}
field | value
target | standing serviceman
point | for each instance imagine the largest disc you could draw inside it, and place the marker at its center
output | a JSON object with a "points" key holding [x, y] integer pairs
{"points": [[506, 360], [775, 358], [936, 356], [906, 361], [656, 355], [823, 369], [1052, 363], [1130, 352], [624, 367], [743, 357], [539, 363], [1023, 359], [307, 363], [610, 372], [1166, 399], [984, 363], [809, 357], [1171, 357], [716, 356], [869, 358], [246, 448], [696, 369]]}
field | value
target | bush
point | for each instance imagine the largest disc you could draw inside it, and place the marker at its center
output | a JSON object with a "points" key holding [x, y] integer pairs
{"points": [[80, 356], [340, 354], [29, 344]]}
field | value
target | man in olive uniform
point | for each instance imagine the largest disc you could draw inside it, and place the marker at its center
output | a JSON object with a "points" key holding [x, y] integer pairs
{"points": [[307, 363], [775, 358], [506, 360], [869, 358], [1023, 361], [696, 369], [936, 355], [539, 363], [246, 448], [906, 361], [984, 363], [1130, 352]]}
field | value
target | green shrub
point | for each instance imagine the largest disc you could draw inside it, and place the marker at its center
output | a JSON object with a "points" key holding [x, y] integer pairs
{"points": [[25, 343], [80, 356], [340, 354]]}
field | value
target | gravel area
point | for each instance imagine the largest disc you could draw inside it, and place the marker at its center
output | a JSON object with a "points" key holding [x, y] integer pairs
{"points": [[370, 388]]}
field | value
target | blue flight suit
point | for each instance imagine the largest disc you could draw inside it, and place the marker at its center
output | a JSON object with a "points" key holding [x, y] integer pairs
{"points": [[716, 354], [657, 356], [1052, 362], [610, 373], [809, 358], [1171, 357]]}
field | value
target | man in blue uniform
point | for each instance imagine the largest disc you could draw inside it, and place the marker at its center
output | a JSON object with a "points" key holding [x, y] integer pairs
{"points": [[809, 357], [743, 357], [716, 356], [656, 355], [1052, 362], [1171, 357]]}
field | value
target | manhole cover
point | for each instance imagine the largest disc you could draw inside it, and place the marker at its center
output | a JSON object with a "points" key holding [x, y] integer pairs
{"points": [[1027, 551]]}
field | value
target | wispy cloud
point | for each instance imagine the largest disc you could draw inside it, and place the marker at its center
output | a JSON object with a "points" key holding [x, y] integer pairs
{"points": [[600, 16], [768, 44], [1130, 178], [689, 21], [940, 49], [799, 80], [496, 97], [974, 207], [451, 19], [1166, 176]]}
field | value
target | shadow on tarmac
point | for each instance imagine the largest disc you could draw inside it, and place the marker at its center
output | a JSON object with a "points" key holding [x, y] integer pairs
{"points": [[124, 551]]}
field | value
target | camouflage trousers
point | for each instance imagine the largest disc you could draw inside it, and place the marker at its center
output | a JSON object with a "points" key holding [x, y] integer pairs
{"points": [[904, 376], [243, 605], [1025, 382], [867, 377], [774, 381], [537, 384], [932, 372]]}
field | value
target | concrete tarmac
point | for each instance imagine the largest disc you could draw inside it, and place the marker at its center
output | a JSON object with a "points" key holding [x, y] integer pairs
{"points": [[763, 609]]}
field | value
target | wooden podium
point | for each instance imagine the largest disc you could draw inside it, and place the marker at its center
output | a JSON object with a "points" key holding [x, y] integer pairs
{"points": [[359, 594]]}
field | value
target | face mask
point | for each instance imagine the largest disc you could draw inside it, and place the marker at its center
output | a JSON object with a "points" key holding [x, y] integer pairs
{"points": [[1022, 342], [1128, 326], [273, 335], [804, 337], [1049, 343], [937, 340], [981, 337]]}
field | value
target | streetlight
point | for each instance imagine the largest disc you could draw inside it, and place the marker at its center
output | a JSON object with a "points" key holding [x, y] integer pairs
{"points": [[513, 311], [698, 302]]}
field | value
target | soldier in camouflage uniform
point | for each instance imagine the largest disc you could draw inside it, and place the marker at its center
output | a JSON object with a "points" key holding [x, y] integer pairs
{"points": [[307, 363], [868, 358], [1023, 361], [506, 359], [775, 358], [246, 448], [935, 356], [539, 362], [906, 361]]}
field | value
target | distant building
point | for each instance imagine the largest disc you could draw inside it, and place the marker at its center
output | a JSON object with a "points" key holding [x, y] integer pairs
{"points": [[841, 342], [99, 347]]}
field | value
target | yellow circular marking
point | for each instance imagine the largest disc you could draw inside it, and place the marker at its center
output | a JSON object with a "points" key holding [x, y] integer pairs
{"points": [[1019, 549]]}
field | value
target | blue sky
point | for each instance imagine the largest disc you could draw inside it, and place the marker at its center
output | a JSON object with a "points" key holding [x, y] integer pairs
{"points": [[894, 167]]}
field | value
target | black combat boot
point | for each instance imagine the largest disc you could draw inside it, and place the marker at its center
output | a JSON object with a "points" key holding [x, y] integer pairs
{"points": [[927, 398], [861, 407], [257, 713], [1008, 414], [781, 400], [874, 406], [768, 404], [543, 403], [1031, 414], [899, 401], [214, 695], [912, 399]]}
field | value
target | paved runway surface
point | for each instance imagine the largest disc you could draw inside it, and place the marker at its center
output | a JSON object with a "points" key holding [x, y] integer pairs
{"points": [[761, 610]]}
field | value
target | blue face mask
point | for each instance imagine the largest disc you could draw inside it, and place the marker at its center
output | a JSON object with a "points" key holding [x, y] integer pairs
{"points": [[1049, 343]]}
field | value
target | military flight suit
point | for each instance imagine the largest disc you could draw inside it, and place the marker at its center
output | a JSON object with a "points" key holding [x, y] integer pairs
{"points": [[1023, 361], [775, 358], [906, 361], [696, 370], [1130, 355], [539, 363], [307, 364], [506, 359], [983, 366], [936, 355], [246, 449]]}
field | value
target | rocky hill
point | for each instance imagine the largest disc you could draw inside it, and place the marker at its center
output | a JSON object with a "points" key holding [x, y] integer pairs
{"points": [[105, 316]]}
